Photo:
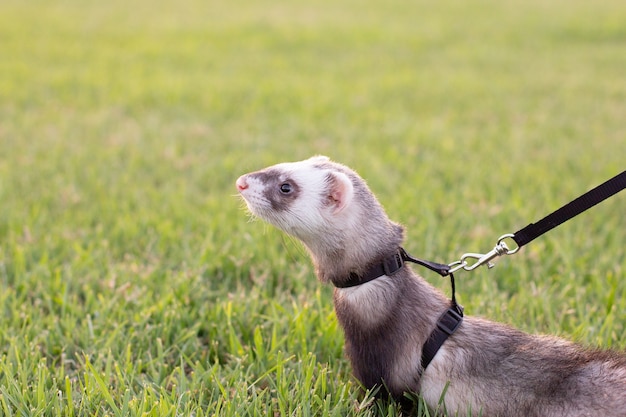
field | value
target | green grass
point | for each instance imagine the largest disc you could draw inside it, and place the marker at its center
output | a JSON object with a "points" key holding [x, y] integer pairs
{"points": [[133, 283]]}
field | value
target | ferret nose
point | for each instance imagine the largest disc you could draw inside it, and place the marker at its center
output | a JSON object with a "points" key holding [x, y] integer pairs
{"points": [[241, 183]]}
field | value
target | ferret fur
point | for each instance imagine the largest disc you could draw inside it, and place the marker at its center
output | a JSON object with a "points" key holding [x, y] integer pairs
{"points": [[485, 368]]}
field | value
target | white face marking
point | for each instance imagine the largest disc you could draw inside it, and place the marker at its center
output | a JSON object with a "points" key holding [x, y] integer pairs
{"points": [[265, 199], [306, 211]]}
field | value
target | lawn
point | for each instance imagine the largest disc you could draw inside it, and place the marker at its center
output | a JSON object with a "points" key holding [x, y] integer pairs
{"points": [[132, 281]]}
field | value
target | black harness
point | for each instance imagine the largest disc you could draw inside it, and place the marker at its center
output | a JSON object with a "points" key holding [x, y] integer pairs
{"points": [[448, 322]]}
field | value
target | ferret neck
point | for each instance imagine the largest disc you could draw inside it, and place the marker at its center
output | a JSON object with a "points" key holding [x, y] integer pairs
{"points": [[447, 323]]}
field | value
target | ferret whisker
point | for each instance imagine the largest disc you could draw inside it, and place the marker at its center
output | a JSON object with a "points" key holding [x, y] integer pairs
{"points": [[293, 244]]}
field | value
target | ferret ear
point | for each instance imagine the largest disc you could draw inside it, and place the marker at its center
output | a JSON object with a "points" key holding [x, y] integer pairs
{"points": [[340, 191], [319, 158]]}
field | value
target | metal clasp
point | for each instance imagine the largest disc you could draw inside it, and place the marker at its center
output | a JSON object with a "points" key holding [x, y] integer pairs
{"points": [[500, 249]]}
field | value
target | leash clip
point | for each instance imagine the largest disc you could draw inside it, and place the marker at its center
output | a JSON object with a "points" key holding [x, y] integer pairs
{"points": [[500, 249]]}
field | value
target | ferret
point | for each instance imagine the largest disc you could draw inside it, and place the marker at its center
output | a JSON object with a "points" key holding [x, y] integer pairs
{"points": [[484, 368]]}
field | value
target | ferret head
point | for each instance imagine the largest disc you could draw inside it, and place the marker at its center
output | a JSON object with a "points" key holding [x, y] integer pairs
{"points": [[328, 207]]}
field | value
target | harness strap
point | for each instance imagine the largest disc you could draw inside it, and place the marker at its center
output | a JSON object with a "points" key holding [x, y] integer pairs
{"points": [[446, 325], [390, 265], [387, 266]]}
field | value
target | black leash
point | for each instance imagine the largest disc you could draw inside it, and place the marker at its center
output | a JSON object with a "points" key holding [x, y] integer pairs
{"points": [[571, 209], [450, 321], [552, 220]]}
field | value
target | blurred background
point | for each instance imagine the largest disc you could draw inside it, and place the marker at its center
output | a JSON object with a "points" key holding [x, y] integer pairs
{"points": [[124, 124]]}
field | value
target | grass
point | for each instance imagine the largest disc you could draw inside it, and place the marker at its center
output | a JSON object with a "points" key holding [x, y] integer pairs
{"points": [[132, 282]]}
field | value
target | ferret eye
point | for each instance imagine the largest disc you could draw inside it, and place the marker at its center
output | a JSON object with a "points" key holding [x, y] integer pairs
{"points": [[285, 188]]}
